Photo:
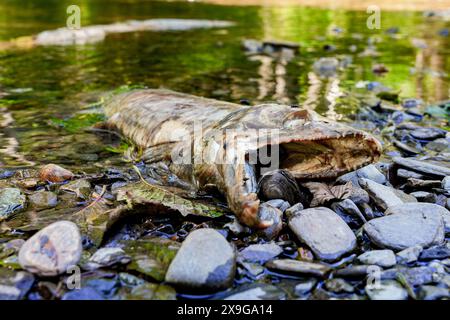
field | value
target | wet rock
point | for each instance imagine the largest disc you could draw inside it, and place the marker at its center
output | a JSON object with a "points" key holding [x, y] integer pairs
{"points": [[279, 204], [414, 276], [151, 291], [53, 250], [54, 173], [205, 260], [446, 184], [428, 133], [382, 196], [372, 173], [433, 293], [43, 200], [106, 257], [11, 201], [422, 208], [294, 210], [81, 187], [268, 213], [14, 285], [386, 290], [300, 267], [437, 252], [324, 232], [280, 184], [305, 287], [423, 196], [422, 166], [86, 293], [326, 67], [382, 258], [260, 252], [402, 173], [401, 231], [349, 212], [257, 291], [356, 271], [236, 227], [409, 255], [338, 285]]}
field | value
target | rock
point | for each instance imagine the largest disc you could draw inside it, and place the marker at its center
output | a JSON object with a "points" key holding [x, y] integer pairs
{"points": [[14, 285], [423, 196], [433, 293], [446, 184], [257, 291], [301, 267], [422, 166], [43, 200], [428, 133], [382, 196], [268, 213], [52, 250], [422, 208], [401, 231], [359, 196], [372, 173], [414, 276], [304, 287], [205, 260], [439, 145], [280, 184], [338, 285], [260, 252], [386, 290], [356, 271], [409, 255], [382, 258], [402, 173], [438, 252], [326, 67], [349, 212], [86, 293], [294, 210], [54, 173], [324, 232], [254, 269], [106, 257], [236, 227], [419, 184], [11, 201], [279, 204], [81, 187]]}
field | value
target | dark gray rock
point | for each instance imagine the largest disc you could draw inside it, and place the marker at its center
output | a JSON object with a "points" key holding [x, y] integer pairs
{"points": [[267, 212], [422, 166], [324, 232], [349, 212], [205, 260], [437, 252], [300, 267], [428, 133], [279, 204], [356, 271], [280, 184]]}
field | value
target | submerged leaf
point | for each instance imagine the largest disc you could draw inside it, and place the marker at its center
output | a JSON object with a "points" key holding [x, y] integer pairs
{"points": [[143, 193], [324, 193]]}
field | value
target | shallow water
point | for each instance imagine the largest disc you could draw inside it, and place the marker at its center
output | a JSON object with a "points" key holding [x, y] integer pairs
{"points": [[39, 85]]}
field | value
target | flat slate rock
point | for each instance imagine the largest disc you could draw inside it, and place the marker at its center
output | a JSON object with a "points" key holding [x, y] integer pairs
{"points": [[401, 231], [52, 250], [384, 196], [297, 266], [328, 236], [422, 166], [260, 252], [205, 260], [420, 207]]}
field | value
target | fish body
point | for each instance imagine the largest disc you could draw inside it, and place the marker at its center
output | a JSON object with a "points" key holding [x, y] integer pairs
{"points": [[206, 142]]}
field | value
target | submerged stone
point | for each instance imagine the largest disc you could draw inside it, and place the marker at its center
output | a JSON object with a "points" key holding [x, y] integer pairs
{"points": [[11, 201]]}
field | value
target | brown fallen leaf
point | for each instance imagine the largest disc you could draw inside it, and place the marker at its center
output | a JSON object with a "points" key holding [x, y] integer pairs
{"points": [[323, 193]]}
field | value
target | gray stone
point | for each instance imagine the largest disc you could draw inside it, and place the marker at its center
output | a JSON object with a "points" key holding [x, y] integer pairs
{"points": [[11, 200], [433, 293], [439, 145], [205, 260], [359, 196], [260, 252], [402, 173], [437, 252], [259, 291], [324, 232], [294, 210], [267, 212], [350, 208], [446, 183], [254, 269], [414, 276], [428, 133], [401, 231], [43, 199], [14, 285], [338, 285], [356, 271], [52, 250], [382, 258], [372, 173], [386, 290], [409, 255], [423, 196], [422, 166], [279, 204], [106, 257], [423, 208], [382, 196], [305, 287], [297, 266]]}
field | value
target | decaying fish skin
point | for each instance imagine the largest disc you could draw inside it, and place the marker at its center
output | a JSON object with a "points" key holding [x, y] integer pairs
{"points": [[311, 147]]}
